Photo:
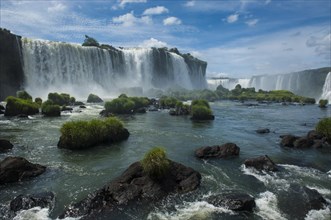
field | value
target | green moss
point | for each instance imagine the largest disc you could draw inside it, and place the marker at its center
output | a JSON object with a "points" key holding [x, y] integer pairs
{"points": [[322, 103], [155, 163], [120, 106], [61, 99], [84, 134], [324, 127], [167, 102], [48, 108], [201, 112], [201, 102], [24, 95], [92, 98], [16, 106], [38, 100], [89, 41]]}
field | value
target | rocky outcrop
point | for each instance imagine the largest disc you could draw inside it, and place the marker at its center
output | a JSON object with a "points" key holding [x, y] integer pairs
{"points": [[14, 169], [298, 200], [313, 139], [223, 151], [261, 163], [11, 71], [92, 98], [233, 201], [5, 145], [303, 142], [25, 202], [263, 131], [133, 186], [288, 140]]}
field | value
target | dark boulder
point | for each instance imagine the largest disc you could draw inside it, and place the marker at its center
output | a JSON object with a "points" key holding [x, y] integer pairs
{"points": [[2, 108], [135, 186], [65, 108], [2, 112], [104, 113], [92, 98], [140, 110], [261, 163], [5, 145], [298, 200], [233, 201], [22, 116], [223, 151], [288, 140], [263, 131], [314, 135], [13, 169], [43, 200], [153, 109], [82, 106], [303, 142], [78, 103]]}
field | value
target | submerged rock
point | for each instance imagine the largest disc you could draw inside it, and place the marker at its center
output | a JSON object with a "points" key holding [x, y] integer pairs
{"points": [[223, 151], [263, 131], [14, 169], [261, 163], [134, 185], [24, 202], [5, 145], [303, 142], [288, 140], [233, 201]]}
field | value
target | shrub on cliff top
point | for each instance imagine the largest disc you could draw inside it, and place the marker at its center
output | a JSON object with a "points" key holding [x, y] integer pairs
{"points": [[16, 106], [324, 127], [85, 134], [24, 95], [155, 163]]}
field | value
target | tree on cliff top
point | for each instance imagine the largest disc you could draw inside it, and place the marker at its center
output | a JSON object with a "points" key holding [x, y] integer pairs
{"points": [[89, 41]]}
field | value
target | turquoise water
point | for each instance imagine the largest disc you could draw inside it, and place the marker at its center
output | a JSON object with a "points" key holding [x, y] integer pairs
{"points": [[72, 175]]}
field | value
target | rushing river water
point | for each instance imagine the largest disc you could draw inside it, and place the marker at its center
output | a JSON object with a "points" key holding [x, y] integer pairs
{"points": [[72, 175]]}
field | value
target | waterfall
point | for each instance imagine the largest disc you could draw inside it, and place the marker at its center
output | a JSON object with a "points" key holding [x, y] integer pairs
{"points": [[71, 68], [228, 83], [326, 94]]}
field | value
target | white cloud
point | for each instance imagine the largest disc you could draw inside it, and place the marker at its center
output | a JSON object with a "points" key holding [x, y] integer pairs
{"points": [[152, 42], [322, 45], [122, 3], [156, 10], [129, 19], [252, 22], [57, 7], [189, 3], [232, 18], [172, 21]]}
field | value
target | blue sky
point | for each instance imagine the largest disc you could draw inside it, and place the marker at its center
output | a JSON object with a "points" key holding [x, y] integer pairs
{"points": [[237, 38]]}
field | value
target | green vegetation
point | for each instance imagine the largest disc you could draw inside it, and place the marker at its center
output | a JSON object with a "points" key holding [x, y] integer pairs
{"points": [[24, 95], [61, 99], [92, 98], [85, 134], [48, 108], [38, 100], [155, 163], [324, 127], [167, 102], [200, 110], [323, 103], [16, 106], [126, 105], [90, 42]]}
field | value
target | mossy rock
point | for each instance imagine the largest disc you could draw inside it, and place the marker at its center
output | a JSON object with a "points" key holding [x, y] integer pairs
{"points": [[16, 106], [201, 112], [92, 98], [324, 127], [24, 95], [50, 109], [77, 135]]}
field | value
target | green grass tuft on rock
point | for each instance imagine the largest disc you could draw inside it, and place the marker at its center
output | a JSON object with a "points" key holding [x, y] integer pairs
{"points": [[16, 106], [324, 127], [155, 163]]}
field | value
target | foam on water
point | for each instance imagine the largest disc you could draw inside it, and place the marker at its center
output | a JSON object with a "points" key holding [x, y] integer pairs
{"points": [[267, 206], [322, 214], [37, 213], [190, 210]]}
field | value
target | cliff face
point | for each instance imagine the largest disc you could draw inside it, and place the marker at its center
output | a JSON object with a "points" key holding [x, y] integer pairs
{"points": [[11, 71]]}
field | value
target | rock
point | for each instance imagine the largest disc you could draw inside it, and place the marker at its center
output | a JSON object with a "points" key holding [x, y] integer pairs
{"points": [[5, 145], [2, 108], [104, 113], [65, 108], [223, 151], [22, 116], [133, 186], [43, 200], [233, 201], [78, 103], [94, 99], [263, 131], [313, 135], [205, 117], [303, 142], [2, 112], [288, 140], [16, 106], [140, 110], [298, 200], [82, 106], [13, 169], [261, 163], [153, 109]]}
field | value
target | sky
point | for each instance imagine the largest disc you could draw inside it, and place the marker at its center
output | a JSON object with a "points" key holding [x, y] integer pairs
{"points": [[238, 38]]}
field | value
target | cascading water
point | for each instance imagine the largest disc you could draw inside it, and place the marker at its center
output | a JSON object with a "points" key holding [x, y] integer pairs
{"points": [[62, 67], [327, 88], [228, 83]]}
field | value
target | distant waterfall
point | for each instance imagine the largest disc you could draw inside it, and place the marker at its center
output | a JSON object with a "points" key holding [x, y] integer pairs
{"points": [[228, 83], [327, 88], [62, 67]]}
